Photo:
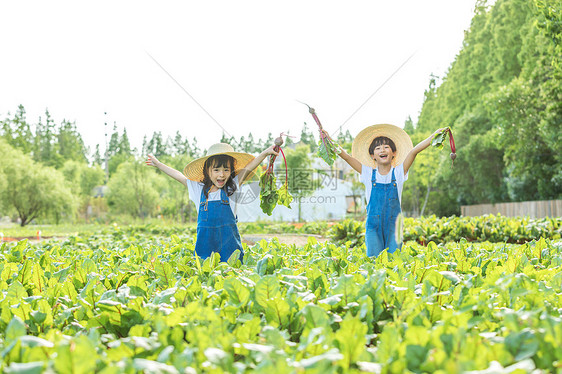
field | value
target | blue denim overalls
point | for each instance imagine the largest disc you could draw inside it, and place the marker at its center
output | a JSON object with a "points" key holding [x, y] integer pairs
{"points": [[382, 211], [216, 228]]}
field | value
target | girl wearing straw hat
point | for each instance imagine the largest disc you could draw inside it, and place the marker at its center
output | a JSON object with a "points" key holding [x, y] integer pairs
{"points": [[383, 154], [210, 181]]}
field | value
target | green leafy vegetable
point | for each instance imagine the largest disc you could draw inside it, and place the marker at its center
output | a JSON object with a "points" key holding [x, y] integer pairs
{"points": [[439, 138], [270, 196], [285, 197], [328, 149], [268, 193], [466, 305]]}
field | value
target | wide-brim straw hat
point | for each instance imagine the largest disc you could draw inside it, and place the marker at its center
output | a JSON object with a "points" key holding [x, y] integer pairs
{"points": [[361, 143], [194, 170]]}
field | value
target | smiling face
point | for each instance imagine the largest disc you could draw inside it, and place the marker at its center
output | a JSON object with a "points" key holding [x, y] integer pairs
{"points": [[219, 170], [383, 154], [382, 150]]}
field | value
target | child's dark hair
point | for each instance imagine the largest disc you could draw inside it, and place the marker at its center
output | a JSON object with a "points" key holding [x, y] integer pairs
{"points": [[217, 161], [381, 140]]}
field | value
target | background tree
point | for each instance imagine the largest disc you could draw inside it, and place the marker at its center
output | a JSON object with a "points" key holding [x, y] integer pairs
{"points": [[503, 99], [174, 198], [307, 138], [301, 177], [34, 190], [70, 145], [17, 132], [82, 179], [134, 190]]}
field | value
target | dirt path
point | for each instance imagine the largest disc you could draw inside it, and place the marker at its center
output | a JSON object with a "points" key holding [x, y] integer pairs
{"points": [[250, 239], [297, 239]]}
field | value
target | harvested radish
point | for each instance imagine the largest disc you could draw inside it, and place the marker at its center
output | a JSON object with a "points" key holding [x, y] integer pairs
{"points": [[439, 139], [453, 154], [328, 149], [270, 196]]}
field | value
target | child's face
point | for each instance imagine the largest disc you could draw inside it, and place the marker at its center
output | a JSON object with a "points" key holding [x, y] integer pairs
{"points": [[219, 175], [383, 154]]}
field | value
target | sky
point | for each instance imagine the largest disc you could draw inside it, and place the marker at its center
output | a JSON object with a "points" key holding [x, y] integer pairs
{"points": [[204, 68]]}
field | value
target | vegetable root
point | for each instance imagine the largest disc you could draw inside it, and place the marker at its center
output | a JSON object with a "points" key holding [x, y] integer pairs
{"points": [[328, 149]]}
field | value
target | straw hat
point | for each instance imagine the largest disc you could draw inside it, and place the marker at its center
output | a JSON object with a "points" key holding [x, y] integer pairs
{"points": [[361, 143], [194, 170]]}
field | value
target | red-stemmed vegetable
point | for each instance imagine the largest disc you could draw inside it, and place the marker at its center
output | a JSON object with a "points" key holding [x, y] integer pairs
{"points": [[453, 154], [439, 139], [328, 149], [270, 196]]}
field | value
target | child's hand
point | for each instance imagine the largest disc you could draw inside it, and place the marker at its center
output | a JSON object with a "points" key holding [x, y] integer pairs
{"points": [[438, 131], [271, 151], [151, 161], [325, 133]]}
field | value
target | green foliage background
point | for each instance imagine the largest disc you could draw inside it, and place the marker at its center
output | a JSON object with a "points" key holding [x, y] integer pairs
{"points": [[502, 96]]}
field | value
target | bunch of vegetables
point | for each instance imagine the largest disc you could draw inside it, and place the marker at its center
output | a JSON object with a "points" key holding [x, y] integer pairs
{"points": [[328, 149], [439, 139], [270, 195]]}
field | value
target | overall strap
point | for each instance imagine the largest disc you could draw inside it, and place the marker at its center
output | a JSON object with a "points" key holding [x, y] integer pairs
{"points": [[374, 177], [203, 201], [224, 197], [393, 176]]}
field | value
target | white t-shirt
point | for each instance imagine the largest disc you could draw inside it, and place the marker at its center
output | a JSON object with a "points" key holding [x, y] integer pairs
{"points": [[195, 188], [367, 174]]}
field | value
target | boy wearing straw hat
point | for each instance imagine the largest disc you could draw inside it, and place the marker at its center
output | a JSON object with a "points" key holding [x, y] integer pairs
{"points": [[210, 181], [383, 154]]}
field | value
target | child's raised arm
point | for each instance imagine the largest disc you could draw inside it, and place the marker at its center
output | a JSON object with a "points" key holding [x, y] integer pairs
{"points": [[245, 173], [409, 160], [177, 175], [352, 161]]}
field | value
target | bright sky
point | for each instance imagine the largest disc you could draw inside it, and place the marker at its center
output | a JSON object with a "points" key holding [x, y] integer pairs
{"points": [[245, 62]]}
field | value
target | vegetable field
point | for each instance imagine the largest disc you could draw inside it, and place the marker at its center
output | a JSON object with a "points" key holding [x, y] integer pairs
{"points": [[132, 301]]}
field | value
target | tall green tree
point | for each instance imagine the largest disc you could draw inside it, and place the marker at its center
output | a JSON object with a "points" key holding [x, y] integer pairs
{"points": [[301, 177], [34, 190], [45, 139], [503, 100], [70, 145], [17, 131], [133, 190]]}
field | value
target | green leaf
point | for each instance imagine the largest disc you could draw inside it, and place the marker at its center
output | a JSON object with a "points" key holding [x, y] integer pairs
{"points": [[285, 197], [148, 366], [165, 297], [449, 275], [416, 356], [328, 150], [25, 368], [267, 288], [234, 259], [25, 273], [439, 138], [239, 295], [33, 341], [277, 311], [15, 329], [522, 344], [314, 316], [351, 339], [16, 292], [268, 193]]}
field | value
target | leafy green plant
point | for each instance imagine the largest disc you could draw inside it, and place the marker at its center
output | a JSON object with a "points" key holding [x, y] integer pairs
{"points": [[328, 149], [144, 302], [270, 195]]}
